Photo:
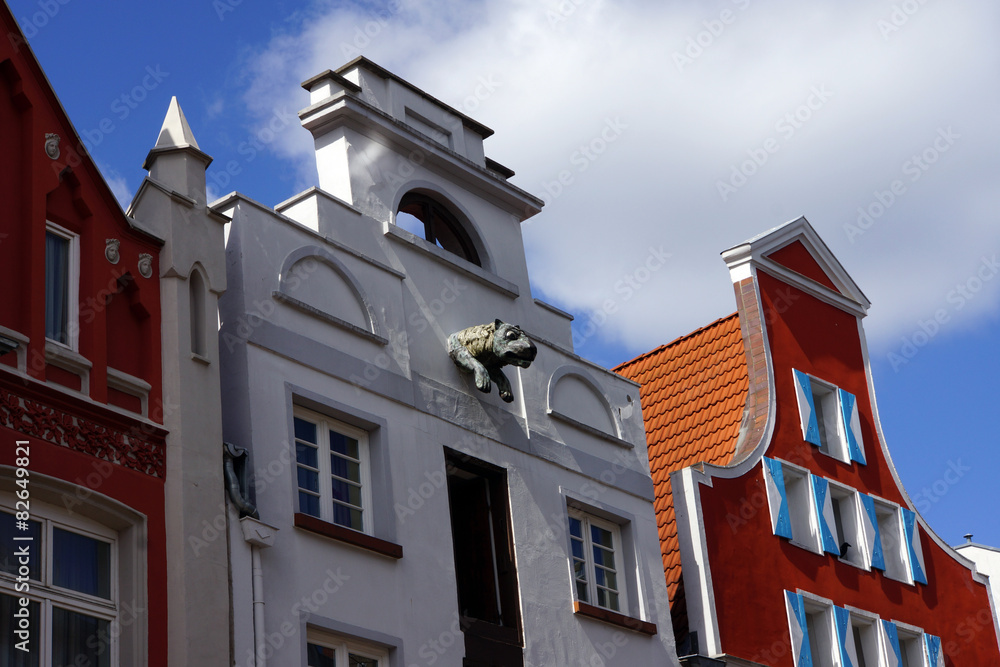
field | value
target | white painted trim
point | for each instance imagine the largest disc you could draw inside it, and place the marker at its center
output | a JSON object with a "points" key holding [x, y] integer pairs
{"points": [[980, 578], [695, 564], [754, 250], [73, 284]]}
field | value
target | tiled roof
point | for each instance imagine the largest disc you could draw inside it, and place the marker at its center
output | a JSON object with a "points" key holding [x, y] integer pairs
{"points": [[693, 392]]}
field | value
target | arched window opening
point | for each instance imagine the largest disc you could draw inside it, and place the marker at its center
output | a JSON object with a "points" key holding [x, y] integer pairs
{"points": [[197, 303], [425, 217]]}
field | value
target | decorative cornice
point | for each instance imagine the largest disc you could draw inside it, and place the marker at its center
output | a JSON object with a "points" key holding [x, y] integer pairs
{"points": [[138, 448]]}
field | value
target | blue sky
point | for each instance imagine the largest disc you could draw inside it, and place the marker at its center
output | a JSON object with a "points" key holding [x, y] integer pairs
{"points": [[680, 129]]}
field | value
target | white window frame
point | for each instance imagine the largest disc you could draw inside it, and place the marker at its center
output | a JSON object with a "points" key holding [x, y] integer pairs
{"points": [[827, 400], [822, 630], [895, 552], [801, 507], [849, 515], [324, 425], [345, 647], [72, 287], [616, 540], [911, 645], [872, 647], [48, 595]]}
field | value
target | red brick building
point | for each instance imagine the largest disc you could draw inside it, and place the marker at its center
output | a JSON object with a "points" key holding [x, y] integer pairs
{"points": [[787, 537], [82, 458]]}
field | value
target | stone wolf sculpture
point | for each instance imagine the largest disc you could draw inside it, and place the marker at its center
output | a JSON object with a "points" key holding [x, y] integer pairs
{"points": [[486, 348]]}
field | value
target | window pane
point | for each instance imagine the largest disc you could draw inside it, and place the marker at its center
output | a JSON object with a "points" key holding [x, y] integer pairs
{"points": [[360, 661], [345, 468], [78, 639], [56, 287], [305, 430], [81, 563], [575, 527], [9, 653], [577, 546], [346, 516], [601, 536], [308, 504], [8, 546], [342, 444], [604, 557], [307, 455], [580, 570], [581, 591], [321, 656], [610, 580], [308, 479], [346, 492]]}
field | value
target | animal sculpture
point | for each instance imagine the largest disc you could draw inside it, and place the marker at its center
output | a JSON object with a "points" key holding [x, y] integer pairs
{"points": [[485, 349]]}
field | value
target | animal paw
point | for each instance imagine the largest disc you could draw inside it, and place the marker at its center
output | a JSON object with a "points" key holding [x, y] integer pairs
{"points": [[483, 382], [506, 395]]}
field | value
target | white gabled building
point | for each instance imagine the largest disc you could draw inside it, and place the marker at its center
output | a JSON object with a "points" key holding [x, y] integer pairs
{"points": [[406, 518]]}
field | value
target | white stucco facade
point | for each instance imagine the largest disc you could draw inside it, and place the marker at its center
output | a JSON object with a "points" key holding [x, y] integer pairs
{"points": [[335, 312]]}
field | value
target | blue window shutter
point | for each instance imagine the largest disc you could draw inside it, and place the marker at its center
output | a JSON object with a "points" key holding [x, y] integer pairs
{"points": [[824, 515], [935, 657], [774, 482], [895, 657], [916, 553], [807, 409], [852, 426], [845, 636], [799, 629], [872, 533]]}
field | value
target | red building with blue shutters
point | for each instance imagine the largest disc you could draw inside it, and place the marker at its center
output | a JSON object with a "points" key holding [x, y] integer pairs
{"points": [[82, 460], [787, 537]]}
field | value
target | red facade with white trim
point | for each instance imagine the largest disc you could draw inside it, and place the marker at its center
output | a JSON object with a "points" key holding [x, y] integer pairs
{"points": [[804, 548], [89, 406]]}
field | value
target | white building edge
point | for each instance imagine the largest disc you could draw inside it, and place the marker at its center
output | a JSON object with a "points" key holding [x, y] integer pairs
{"points": [[405, 518]]}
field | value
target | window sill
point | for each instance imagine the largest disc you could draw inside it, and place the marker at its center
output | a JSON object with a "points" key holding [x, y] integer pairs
{"points": [[352, 537], [627, 622]]}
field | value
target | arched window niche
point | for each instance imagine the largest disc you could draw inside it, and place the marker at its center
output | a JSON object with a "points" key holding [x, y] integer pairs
{"points": [[424, 214]]}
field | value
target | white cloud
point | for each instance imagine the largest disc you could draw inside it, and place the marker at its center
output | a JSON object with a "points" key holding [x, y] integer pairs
{"points": [[566, 69], [118, 185]]}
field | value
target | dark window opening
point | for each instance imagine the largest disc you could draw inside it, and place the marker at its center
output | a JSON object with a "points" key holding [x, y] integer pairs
{"points": [[425, 217], [485, 569]]}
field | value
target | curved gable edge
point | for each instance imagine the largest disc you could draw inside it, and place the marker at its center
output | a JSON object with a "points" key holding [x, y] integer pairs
{"points": [[948, 549], [753, 443]]}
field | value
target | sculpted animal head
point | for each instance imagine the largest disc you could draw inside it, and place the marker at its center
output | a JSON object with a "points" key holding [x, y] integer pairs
{"points": [[512, 346]]}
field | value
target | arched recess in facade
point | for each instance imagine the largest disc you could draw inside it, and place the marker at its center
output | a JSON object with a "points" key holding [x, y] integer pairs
{"points": [[574, 394], [301, 280], [446, 223]]}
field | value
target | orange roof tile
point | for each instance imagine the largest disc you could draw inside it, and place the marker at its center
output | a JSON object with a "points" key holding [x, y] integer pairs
{"points": [[693, 391]]}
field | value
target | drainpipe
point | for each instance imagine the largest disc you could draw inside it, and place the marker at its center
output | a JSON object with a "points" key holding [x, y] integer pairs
{"points": [[258, 535]]}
